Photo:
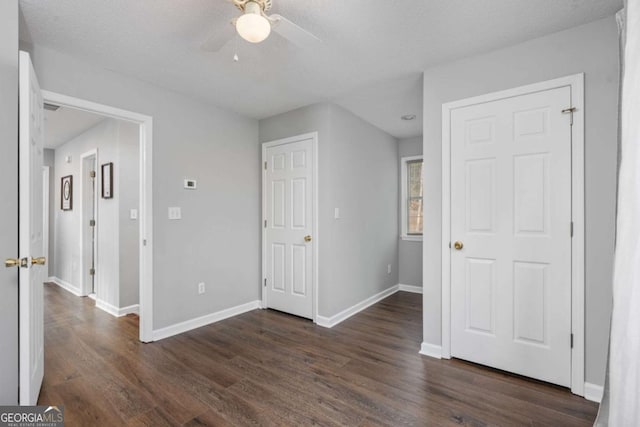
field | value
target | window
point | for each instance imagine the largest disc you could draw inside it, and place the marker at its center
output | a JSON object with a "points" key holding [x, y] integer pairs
{"points": [[412, 203]]}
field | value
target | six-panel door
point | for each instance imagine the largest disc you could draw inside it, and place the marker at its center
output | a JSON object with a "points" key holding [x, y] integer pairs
{"points": [[289, 224], [511, 209]]}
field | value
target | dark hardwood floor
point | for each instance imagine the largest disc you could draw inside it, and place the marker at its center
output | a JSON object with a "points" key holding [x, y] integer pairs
{"points": [[268, 368]]}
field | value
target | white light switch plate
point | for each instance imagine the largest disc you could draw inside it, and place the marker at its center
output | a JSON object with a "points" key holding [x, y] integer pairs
{"points": [[175, 212], [133, 214], [336, 213]]}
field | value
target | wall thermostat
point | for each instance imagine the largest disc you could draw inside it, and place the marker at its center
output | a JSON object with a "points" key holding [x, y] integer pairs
{"points": [[190, 184]]}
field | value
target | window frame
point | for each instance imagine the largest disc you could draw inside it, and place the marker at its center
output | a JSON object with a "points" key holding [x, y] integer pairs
{"points": [[404, 198]]}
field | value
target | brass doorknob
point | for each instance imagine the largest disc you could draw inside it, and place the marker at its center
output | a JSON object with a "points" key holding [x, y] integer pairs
{"points": [[11, 262], [307, 238], [39, 261], [458, 245]]}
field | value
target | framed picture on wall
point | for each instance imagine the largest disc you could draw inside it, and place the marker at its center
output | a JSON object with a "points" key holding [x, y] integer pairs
{"points": [[66, 193], [107, 181]]}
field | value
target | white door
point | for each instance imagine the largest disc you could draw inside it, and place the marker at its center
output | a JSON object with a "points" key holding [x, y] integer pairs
{"points": [[32, 271], [289, 218], [511, 213]]}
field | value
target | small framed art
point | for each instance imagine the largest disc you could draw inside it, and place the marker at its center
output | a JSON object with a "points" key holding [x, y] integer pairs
{"points": [[66, 193], [107, 181]]}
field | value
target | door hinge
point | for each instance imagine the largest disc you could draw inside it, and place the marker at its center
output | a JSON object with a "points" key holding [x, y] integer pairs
{"points": [[265, 223], [92, 174], [92, 272], [571, 228], [265, 282], [144, 242], [571, 340], [265, 165], [92, 223], [569, 111]]}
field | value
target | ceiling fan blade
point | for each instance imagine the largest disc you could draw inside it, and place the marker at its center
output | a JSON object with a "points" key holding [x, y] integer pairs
{"points": [[292, 32], [219, 37]]}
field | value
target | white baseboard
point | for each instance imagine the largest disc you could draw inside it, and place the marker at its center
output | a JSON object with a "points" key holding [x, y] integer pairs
{"points": [[410, 288], [330, 322], [431, 350], [65, 285], [130, 309], [199, 322], [593, 392]]}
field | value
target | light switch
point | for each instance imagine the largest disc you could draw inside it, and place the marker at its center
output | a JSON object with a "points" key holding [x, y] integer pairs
{"points": [[175, 212], [336, 213], [133, 214]]}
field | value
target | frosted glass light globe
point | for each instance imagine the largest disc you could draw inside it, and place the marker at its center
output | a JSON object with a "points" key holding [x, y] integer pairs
{"points": [[253, 27]]}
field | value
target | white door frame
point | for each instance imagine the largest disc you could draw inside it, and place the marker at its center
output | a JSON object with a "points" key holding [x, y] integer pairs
{"points": [[46, 179], [84, 288], [576, 83], [146, 196], [316, 236]]}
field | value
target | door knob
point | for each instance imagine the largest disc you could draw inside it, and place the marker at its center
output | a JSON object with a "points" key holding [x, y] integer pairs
{"points": [[458, 245], [11, 262], [307, 238], [39, 261]]}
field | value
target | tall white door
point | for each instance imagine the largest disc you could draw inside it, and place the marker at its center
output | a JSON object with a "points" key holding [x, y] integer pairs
{"points": [[289, 219], [511, 235], [32, 271]]}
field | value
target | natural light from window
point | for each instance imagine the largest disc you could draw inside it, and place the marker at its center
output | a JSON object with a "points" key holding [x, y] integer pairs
{"points": [[412, 202]]}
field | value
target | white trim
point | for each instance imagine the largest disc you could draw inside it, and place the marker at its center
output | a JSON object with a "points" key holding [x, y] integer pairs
{"points": [[576, 83], [208, 319], [410, 288], [85, 287], [403, 198], [431, 350], [116, 311], [46, 201], [75, 290], [316, 217], [593, 392], [330, 322], [146, 196]]}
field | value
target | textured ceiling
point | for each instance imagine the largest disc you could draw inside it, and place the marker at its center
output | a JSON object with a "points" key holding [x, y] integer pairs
{"points": [[64, 124], [369, 46]]}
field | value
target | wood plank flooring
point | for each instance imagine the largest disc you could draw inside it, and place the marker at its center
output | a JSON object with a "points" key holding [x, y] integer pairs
{"points": [[270, 369]]}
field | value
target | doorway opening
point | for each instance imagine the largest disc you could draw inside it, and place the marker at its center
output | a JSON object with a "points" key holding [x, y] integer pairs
{"points": [[103, 250]]}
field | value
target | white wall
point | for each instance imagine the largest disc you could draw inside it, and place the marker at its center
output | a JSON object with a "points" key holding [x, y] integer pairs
{"points": [[9, 197], [217, 241], [117, 249], [592, 49], [358, 173], [409, 252]]}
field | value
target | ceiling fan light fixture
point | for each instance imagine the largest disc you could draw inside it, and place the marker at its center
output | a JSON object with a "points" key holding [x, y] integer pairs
{"points": [[252, 26]]}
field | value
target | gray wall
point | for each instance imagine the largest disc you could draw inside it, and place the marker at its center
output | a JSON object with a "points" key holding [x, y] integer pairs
{"points": [[409, 252], [358, 173], [217, 240], [592, 49], [9, 197], [116, 142], [49, 159], [129, 193]]}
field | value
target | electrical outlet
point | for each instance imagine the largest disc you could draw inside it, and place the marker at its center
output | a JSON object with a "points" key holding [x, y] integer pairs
{"points": [[201, 288], [388, 268]]}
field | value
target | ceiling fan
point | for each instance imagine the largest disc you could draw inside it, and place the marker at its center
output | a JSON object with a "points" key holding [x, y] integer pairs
{"points": [[254, 25]]}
